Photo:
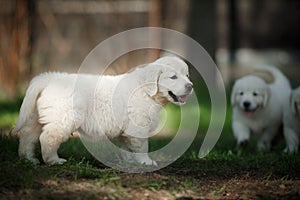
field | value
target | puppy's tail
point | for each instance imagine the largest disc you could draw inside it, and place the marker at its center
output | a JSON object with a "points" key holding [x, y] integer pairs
{"points": [[28, 107], [279, 78]]}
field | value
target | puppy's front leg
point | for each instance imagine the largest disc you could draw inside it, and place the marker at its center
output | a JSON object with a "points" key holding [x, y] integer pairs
{"points": [[241, 133], [292, 140], [139, 147]]}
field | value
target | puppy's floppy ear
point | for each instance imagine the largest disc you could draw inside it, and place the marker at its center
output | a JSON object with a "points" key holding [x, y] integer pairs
{"points": [[294, 105], [152, 74], [266, 94]]}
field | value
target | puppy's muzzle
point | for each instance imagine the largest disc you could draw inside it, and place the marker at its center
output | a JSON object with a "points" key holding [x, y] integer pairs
{"points": [[189, 87], [246, 104]]}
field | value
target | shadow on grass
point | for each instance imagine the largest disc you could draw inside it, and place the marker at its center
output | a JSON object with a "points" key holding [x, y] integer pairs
{"points": [[222, 162]]}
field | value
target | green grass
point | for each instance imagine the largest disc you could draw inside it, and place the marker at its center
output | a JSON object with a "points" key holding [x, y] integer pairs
{"points": [[222, 163], [9, 111]]}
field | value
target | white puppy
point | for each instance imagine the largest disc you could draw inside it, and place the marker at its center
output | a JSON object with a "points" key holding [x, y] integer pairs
{"points": [[124, 106], [291, 122], [258, 107]]}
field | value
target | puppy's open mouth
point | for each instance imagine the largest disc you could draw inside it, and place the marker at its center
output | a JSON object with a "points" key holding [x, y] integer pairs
{"points": [[249, 112], [178, 99]]}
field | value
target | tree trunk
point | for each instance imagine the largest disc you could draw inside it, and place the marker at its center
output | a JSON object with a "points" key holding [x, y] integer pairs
{"points": [[13, 57]]}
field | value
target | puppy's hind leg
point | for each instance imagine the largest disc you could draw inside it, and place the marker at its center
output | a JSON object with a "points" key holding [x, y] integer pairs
{"points": [[28, 140], [50, 139]]}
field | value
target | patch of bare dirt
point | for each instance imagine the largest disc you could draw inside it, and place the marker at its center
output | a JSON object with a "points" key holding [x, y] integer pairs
{"points": [[159, 186]]}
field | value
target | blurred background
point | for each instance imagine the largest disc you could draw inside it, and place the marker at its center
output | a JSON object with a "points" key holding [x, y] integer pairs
{"points": [[56, 35]]}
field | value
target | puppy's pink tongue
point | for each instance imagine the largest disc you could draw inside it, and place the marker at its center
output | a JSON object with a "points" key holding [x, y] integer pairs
{"points": [[248, 113], [182, 99]]}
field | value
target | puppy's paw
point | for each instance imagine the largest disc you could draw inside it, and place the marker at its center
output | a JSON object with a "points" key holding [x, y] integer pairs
{"points": [[147, 161], [243, 144], [264, 147], [34, 161], [287, 150], [58, 161], [154, 163]]}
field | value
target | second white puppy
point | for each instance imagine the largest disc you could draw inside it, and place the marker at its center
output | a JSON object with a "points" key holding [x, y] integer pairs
{"points": [[291, 122], [258, 107]]}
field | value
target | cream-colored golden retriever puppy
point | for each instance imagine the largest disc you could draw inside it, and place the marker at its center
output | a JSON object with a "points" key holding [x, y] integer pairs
{"points": [[123, 106], [258, 107], [291, 122]]}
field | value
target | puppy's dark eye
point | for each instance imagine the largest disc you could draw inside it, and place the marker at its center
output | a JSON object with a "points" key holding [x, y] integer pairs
{"points": [[188, 75], [255, 94], [241, 93], [173, 77]]}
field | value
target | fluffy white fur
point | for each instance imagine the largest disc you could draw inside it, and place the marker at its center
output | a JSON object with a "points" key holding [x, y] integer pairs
{"points": [[124, 106], [291, 122], [258, 107]]}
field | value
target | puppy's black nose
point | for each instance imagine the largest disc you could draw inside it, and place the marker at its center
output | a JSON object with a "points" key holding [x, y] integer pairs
{"points": [[189, 86], [246, 104]]}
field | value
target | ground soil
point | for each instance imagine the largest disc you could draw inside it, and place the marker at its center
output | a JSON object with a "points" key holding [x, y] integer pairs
{"points": [[164, 184]]}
